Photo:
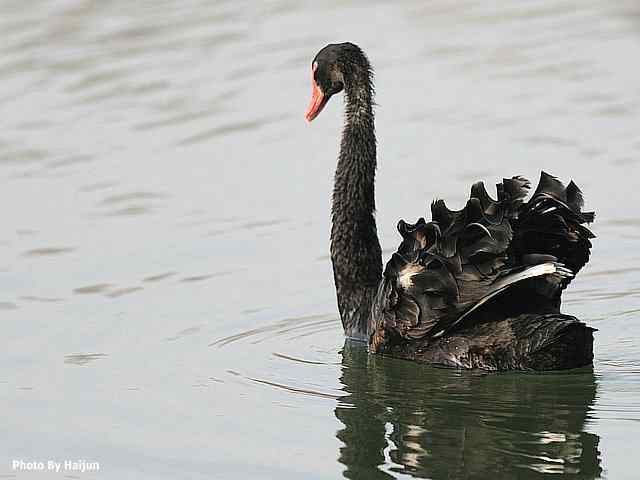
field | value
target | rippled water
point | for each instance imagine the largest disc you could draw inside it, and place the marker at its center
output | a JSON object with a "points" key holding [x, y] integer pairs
{"points": [[165, 290]]}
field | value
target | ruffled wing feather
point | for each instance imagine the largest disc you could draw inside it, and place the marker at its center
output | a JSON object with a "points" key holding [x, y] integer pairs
{"points": [[445, 270]]}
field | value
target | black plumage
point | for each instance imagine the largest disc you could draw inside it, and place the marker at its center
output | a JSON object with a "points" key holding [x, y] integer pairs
{"points": [[485, 292], [475, 288]]}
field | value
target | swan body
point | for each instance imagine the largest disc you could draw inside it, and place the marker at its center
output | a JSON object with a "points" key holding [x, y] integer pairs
{"points": [[478, 287]]}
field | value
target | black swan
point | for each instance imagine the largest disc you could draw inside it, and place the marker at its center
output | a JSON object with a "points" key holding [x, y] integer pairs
{"points": [[474, 288]]}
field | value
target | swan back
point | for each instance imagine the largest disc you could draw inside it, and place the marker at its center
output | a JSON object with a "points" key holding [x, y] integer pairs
{"points": [[492, 259]]}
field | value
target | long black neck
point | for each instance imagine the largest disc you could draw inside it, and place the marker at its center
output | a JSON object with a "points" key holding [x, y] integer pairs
{"points": [[355, 250]]}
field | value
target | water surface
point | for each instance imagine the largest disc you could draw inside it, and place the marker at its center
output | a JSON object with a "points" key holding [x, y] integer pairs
{"points": [[165, 289]]}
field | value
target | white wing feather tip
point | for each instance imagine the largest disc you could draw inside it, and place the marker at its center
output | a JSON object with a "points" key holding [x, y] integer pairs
{"points": [[549, 268]]}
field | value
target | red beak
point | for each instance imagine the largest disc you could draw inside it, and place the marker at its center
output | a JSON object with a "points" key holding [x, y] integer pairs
{"points": [[318, 100]]}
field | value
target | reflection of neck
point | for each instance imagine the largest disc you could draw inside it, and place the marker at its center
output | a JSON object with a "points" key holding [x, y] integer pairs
{"points": [[355, 250], [362, 414]]}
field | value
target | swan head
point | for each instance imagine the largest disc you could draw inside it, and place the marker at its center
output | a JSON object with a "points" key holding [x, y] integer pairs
{"points": [[337, 67]]}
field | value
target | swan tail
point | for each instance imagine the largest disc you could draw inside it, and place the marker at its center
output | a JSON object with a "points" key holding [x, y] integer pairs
{"points": [[561, 342]]}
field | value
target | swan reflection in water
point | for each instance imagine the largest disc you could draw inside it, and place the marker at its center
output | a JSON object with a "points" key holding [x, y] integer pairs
{"points": [[453, 424]]}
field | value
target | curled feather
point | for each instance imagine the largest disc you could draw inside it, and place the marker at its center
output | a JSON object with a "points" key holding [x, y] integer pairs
{"points": [[446, 269]]}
